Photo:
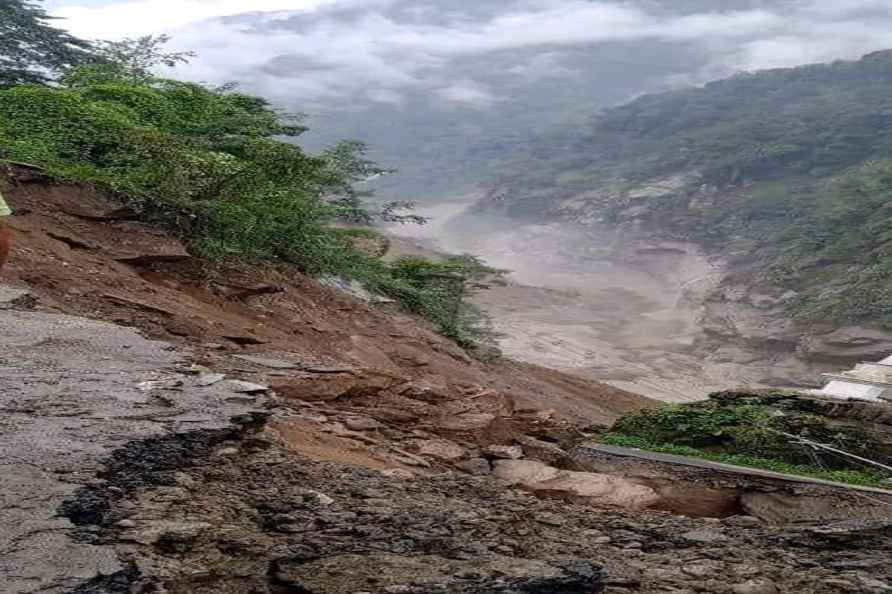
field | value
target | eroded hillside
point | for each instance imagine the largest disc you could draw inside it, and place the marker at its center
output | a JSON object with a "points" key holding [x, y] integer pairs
{"points": [[279, 436]]}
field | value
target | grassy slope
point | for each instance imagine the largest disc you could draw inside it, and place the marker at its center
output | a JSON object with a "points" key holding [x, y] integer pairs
{"points": [[864, 478], [752, 429]]}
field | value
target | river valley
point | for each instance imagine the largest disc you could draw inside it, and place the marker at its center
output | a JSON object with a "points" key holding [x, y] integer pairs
{"points": [[601, 304]]}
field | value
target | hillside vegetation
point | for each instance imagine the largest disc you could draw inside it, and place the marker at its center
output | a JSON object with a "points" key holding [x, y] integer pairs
{"points": [[772, 430], [791, 167], [215, 165]]}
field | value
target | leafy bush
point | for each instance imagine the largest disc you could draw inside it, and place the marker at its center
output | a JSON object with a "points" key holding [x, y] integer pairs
{"points": [[863, 477], [438, 290], [31, 49], [210, 164], [748, 425]]}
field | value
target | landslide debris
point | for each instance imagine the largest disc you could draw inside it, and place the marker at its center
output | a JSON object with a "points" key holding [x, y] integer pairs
{"points": [[249, 516], [390, 465], [335, 343]]}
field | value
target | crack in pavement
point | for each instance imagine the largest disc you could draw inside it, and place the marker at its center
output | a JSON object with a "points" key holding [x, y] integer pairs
{"points": [[72, 397]]}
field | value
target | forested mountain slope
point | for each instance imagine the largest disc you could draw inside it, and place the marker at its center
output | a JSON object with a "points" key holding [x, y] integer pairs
{"points": [[785, 173]]}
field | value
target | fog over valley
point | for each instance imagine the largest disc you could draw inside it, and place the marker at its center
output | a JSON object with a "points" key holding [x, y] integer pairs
{"points": [[443, 90]]}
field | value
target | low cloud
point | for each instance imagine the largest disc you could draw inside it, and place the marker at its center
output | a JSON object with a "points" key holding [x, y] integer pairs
{"points": [[325, 53], [114, 20], [469, 93]]}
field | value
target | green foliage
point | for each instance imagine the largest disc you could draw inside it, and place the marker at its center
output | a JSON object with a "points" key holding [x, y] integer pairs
{"points": [[137, 57], [748, 425], [863, 477], [438, 291], [31, 49], [209, 163], [812, 119]]}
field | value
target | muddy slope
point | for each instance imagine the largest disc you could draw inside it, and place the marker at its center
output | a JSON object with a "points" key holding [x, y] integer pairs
{"points": [[285, 438], [79, 253]]}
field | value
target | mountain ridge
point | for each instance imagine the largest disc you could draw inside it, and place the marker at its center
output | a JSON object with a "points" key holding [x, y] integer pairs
{"points": [[782, 177]]}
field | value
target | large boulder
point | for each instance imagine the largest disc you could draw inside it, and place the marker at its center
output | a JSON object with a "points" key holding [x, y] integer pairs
{"points": [[598, 488], [322, 387]]}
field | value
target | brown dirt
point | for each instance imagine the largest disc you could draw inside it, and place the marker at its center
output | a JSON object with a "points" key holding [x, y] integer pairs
{"points": [[348, 472], [77, 256]]}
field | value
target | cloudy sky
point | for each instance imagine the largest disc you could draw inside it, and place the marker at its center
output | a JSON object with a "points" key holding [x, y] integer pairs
{"points": [[111, 18], [449, 82], [385, 47]]}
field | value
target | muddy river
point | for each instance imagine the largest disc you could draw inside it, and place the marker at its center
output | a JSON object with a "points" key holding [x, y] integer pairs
{"points": [[588, 302]]}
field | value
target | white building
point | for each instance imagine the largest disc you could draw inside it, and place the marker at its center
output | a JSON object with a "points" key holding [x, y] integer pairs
{"points": [[867, 381]]}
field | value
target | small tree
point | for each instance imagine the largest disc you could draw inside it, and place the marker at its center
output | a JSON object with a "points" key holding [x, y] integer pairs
{"points": [[31, 49], [137, 57]]}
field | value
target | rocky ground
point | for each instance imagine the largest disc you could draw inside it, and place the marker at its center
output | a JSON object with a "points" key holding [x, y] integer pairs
{"points": [[248, 516], [253, 432]]}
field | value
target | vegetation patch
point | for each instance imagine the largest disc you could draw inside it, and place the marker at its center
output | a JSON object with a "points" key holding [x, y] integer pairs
{"points": [[772, 431], [220, 168], [862, 477]]}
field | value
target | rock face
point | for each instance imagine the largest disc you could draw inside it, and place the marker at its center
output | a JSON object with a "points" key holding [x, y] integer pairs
{"points": [[383, 573], [542, 450], [689, 323], [604, 489]]}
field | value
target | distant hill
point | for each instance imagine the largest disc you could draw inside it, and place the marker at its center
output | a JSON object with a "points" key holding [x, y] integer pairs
{"points": [[786, 173]]}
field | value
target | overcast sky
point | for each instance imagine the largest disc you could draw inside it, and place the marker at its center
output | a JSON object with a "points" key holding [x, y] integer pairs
{"points": [[349, 46], [107, 19]]}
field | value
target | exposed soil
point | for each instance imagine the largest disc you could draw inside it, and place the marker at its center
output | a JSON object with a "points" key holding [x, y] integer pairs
{"points": [[78, 257], [320, 445]]}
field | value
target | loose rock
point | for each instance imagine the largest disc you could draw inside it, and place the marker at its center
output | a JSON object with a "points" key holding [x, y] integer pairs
{"points": [[476, 466], [243, 387], [504, 452], [442, 449]]}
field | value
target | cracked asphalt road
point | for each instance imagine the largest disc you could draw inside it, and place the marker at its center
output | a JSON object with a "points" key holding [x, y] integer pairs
{"points": [[71, 391]]}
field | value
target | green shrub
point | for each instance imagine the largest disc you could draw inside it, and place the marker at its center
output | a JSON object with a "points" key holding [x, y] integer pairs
{"points": [[211, 165], [864, 476], [437, 291], [747, 425]]}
